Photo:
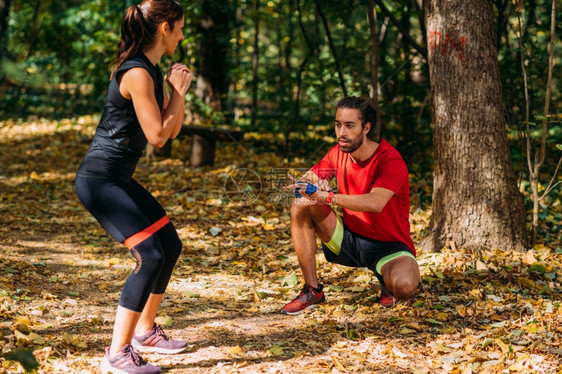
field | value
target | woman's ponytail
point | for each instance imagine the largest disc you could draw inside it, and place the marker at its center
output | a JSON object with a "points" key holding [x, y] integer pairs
{"points": [[140, 24]]}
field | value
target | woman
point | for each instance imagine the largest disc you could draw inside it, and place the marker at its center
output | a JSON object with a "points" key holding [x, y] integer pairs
{"points": [[138, 110]]}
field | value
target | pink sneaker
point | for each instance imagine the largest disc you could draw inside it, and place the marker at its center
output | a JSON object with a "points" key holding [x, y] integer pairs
{"points": [[126, 362], [157, 341]]}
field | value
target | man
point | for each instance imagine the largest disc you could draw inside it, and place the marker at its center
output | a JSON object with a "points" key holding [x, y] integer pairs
{"points": [[374, 193]]}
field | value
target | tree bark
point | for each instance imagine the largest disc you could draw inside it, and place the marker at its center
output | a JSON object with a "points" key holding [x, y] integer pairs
{"points": [[255, 63], [476, 203]]}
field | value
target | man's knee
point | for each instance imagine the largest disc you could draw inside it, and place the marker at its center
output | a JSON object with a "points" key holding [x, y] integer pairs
{"points": [[405, 288], [401, 276], [299, 206]]}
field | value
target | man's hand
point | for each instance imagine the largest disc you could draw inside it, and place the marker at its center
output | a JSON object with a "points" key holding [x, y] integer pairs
{"points": [[315, 192], [301, 187]]}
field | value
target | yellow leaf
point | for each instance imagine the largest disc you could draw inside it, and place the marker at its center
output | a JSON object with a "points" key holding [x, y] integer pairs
{"points": [[504, 347], [405, 331], [214, 202], [277, 350], [164, 320], [528, 283], [113, 261], [21, 337], [22, 320], [36, 338], [516, 367], [67, 338], [414, 326], [337, 363], [236, 350], [529, 258], [441, 316], [268, 227], [475, 293], [480, 266]]}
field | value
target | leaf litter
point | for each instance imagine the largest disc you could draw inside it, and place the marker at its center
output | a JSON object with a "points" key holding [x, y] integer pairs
{"points": [[488, 311]]}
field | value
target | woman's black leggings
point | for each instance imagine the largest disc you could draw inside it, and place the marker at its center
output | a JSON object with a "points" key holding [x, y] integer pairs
{"points": [[131, 215]]}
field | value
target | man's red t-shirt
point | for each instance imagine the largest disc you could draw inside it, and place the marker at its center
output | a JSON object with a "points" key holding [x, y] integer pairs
{"points": [[386, 169]]}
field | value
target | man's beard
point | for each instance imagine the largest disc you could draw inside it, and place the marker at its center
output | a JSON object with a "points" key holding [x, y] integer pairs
{"points": [[353, 145]]}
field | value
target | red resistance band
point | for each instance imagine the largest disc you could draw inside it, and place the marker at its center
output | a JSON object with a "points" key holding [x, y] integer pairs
{"points": [[146, 233]]}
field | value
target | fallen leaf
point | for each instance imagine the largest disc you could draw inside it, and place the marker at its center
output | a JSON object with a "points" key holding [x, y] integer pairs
{"points": [[277, 350]]}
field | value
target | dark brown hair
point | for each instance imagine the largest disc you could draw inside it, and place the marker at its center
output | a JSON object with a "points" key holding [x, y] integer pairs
{"points": [[140, 25], [366, 111]]}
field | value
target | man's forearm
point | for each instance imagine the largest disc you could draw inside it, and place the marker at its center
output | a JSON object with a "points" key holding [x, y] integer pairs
{"points": [[370, 202]]}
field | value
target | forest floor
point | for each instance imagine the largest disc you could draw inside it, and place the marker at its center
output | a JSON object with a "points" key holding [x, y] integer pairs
{"points": [[483, 311]]}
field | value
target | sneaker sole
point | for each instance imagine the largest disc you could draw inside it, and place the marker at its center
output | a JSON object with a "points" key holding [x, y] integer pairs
{"points": [[106, 368], [145, 349], [299, 311]]}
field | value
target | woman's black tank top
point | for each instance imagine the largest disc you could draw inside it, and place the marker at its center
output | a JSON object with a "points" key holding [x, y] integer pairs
{"points": [[119, 140]]}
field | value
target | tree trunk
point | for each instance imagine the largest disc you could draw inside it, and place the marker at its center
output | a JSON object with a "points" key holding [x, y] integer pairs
{"points": [[4, 12], [212, 73], [372, 16], [476, 203], [255, 62]]}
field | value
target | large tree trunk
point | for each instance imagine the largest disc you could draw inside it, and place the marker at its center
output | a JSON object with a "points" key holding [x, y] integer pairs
{"points": [[476, 203]]}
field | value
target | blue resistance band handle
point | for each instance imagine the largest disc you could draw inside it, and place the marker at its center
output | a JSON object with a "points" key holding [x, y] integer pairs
{"points": [[310, 189]]}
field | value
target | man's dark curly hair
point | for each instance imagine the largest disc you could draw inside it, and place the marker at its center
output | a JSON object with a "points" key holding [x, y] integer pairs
{"points": [[367, 112]]}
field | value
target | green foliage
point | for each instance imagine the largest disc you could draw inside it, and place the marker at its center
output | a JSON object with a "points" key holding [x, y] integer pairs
{"points": [[58, 53]]}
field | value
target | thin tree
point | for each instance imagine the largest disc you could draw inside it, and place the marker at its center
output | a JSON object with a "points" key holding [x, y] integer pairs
{"points": [[403, 31], [296, 110], [255, 62], [372, 16], [213, 77], [4, 12], [332, 46], [539, 157], [476, 202]]}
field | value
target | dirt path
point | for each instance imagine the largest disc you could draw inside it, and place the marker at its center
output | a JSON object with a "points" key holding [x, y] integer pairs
{"points": [[60, 279]]}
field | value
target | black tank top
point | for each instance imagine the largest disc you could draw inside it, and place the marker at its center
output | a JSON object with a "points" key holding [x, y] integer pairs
{"points": [[119, 140]]}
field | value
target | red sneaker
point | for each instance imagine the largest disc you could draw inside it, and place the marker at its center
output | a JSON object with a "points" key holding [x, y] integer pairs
{"points": [[307, 299], [386, 299]]}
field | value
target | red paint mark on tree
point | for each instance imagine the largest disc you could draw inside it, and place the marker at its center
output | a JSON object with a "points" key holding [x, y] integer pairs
{"points": [[447, 44], [433, 40]]}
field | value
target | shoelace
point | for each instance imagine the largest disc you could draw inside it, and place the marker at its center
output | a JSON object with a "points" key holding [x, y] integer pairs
{"points": [[131, 353], [306, 294], [159, 332]]}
